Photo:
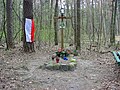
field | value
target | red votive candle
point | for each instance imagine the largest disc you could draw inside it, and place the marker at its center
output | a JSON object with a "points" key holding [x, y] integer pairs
{"points": [[57, 60]]}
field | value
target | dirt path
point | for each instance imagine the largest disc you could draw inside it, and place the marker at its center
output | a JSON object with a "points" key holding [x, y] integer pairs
{"points": [[20, 71]]}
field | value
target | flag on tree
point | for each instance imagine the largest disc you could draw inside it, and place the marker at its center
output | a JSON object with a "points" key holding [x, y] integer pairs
{"points": [[29, 30]]}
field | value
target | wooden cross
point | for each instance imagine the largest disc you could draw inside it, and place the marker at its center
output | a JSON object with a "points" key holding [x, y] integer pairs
{"points": [[62, 34]]}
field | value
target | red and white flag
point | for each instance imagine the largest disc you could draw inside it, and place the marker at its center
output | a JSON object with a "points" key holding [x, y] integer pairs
{"points": [[29, 30]]}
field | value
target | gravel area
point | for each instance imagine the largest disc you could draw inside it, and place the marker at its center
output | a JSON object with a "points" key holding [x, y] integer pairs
{"points": [[20, 71]]}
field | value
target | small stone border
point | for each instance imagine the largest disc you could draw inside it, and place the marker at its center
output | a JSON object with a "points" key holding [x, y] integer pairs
{"points": [[59, 66]]}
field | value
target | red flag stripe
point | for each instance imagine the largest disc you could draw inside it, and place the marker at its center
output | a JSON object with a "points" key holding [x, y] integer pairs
{"points": [[32, 31]]}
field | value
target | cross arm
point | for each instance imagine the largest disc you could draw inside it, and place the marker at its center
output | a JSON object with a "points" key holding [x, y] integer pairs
{"points": [[62, 17]]}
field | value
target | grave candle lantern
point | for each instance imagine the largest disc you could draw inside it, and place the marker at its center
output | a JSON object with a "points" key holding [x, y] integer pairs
{"points": [[57, 60]]}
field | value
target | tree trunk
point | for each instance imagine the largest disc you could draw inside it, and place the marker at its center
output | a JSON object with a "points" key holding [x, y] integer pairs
{"points": [[113, 20], [75, 22], [9, 24], [51, 8], [27, 13], [55, 23], [50, 22], [40, 17], [93, 37], [78, 46], [118, 17], [100, 25]]}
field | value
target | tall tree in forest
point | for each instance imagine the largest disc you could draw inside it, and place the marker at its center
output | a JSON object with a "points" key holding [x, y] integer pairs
{"points": [[75, 20], [119, 5], [9, 24], [55, 23], [51, 7], [78, 41], [113, 22], [39, 20], [27, 15], [118, 16], [4, 22], [100, 24], [50, 16], [93, 37]]}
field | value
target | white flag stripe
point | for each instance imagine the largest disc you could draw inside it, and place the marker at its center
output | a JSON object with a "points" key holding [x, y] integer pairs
{"points": [[28, 28]]}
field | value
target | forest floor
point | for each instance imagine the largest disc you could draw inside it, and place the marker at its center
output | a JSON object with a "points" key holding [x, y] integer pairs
{"points": [[20, 71]]}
